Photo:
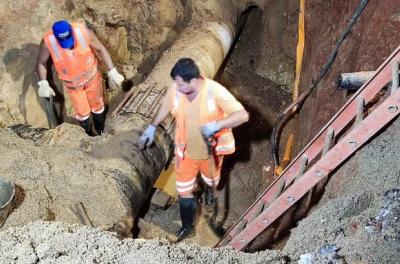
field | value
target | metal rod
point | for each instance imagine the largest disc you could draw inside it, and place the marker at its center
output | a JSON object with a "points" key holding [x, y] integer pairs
{"points": [[82, 215], [123, 102], [142, 99], [156, 103]]}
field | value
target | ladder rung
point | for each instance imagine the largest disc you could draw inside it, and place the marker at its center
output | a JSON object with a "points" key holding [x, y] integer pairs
{"points": [[360, 110], [395, 76], [328, 140], [303, 164], [259, 209]]}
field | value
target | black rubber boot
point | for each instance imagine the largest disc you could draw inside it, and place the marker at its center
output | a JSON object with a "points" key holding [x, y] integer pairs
{"points": [[98, 122], [208, 196], [187, 208], [87, 126]]}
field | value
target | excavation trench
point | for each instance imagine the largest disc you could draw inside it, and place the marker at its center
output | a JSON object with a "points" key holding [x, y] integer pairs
{"points": [[117, 176], [65, 176], [108, 179], [109, 176], [242, 176]]}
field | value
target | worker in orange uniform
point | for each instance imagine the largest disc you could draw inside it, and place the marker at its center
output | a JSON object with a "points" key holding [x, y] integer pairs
{"points": [[72, 48], [202, 109]]}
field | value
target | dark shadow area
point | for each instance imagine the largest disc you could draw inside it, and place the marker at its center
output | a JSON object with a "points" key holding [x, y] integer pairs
{"points": [[18, 199], [242, 177], [21, 63]]}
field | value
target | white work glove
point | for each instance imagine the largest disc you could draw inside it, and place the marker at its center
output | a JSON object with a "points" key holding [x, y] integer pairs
{"points": [[45, 89], [147, 138], [115, 78], [209, 129]]}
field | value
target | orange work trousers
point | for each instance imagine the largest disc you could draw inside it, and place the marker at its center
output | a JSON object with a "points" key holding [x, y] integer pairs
{"points": [[88, 98], [187, 169]]}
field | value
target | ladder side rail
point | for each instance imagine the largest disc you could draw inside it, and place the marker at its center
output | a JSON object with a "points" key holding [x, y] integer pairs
{"points": [[370, 88], [349, 144]]}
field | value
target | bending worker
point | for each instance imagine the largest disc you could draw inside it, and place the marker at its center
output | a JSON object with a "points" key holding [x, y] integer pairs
{"points": [[72, 48], [202, 109]]}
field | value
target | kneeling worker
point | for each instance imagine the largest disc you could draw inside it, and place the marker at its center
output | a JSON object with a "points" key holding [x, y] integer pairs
{"points": [[72, 48], [202, 109]]}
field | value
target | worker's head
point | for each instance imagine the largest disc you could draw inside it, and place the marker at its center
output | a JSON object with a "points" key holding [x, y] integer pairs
{"points": [[62, 30], [185, 74]]}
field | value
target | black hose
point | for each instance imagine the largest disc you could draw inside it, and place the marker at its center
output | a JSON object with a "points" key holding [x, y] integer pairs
{"points": [[284, 117]]}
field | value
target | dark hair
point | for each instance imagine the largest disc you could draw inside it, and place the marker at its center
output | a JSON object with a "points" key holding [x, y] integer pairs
{"points": [[185, 68]]}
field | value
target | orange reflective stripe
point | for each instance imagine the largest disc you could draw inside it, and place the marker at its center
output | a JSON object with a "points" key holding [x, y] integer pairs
{"points": [[81, 79], [54, 47], [211, 106], [82, 40]]}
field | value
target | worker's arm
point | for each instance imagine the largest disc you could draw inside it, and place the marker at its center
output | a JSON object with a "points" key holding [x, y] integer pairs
{"points": [[41, 69], [236, 114], [162, 112], [41, 64], [114, 77], [234, 119], [147, 138], [100, 49]]}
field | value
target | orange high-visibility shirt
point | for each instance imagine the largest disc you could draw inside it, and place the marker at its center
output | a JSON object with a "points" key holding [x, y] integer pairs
{"points": [[196, 148]]}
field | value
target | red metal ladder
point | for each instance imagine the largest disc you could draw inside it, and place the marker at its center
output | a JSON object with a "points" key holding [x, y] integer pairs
{"points": [[298, 178]]}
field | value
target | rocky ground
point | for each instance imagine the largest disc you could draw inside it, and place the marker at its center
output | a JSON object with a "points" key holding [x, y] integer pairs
{"points": [[54, 242], [359, 212]]}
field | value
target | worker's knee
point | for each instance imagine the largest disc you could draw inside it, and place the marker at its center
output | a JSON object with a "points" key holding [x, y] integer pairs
{"points": [[212, 182]]}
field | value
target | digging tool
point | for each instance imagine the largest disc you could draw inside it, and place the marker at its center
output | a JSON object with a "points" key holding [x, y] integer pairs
{"points": [[82, 215], [216, 228], [51, 117]]}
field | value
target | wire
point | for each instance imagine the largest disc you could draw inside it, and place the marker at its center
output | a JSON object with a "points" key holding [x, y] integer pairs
{"points": [[297, 104]]}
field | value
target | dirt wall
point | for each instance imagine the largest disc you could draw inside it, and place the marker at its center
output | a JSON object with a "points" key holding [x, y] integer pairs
{"points": [[375, 35]]}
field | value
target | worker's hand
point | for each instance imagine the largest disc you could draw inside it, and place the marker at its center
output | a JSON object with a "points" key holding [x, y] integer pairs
{"points": [[115, 78], [147, 138], [45, 89], [209, 129]]}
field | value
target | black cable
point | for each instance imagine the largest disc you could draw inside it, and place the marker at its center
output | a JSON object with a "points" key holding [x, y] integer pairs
{"points": [[284, 117]]}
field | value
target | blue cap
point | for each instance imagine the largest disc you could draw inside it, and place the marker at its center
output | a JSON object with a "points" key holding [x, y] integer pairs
{"points": [[62, 30]]}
